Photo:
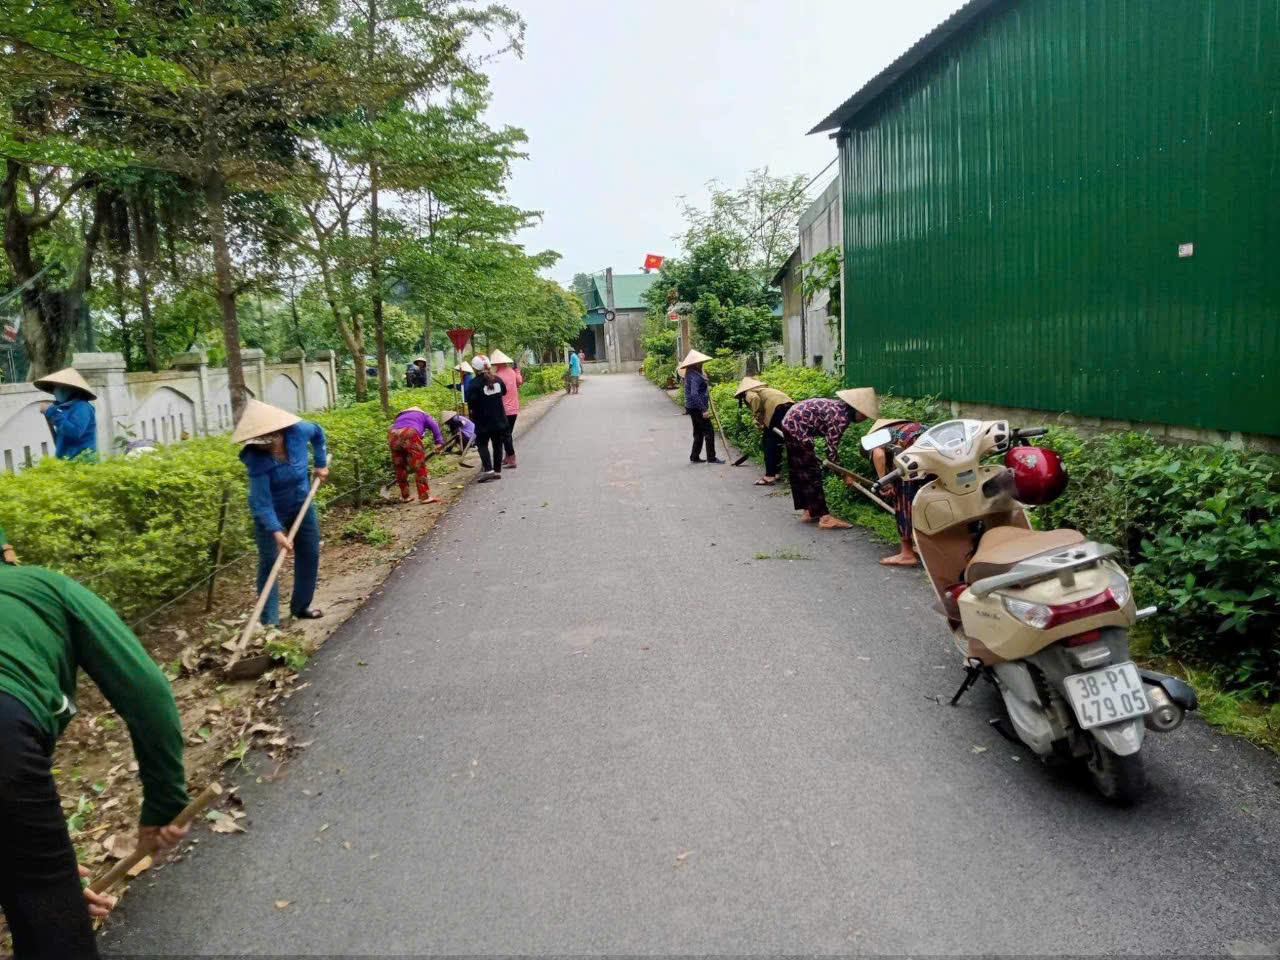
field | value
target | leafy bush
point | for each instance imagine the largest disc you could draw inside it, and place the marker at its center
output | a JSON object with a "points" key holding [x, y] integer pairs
{"points": [[661, 370], [723, 367], [1200, 526]]}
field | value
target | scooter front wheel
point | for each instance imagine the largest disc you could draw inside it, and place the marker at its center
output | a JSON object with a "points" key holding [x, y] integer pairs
{"points": [[1119, 779]]}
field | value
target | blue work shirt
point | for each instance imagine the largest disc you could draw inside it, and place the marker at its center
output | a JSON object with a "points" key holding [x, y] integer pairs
{"points": [[278, 487], [575, 365], [75, 428], [697, 392]]}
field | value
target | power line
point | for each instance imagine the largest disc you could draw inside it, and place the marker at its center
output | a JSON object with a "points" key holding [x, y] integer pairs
{"points": [[783, 209]]}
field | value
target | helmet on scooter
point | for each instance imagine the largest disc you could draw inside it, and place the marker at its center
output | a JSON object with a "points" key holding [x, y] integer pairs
{"points": [[1038, 474]]}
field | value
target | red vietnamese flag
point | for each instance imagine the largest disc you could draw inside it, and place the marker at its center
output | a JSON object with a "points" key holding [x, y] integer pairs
{"points": [[652, 261]]}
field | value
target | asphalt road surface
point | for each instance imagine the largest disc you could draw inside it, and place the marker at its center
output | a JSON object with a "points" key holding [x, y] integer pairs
{"points": [[584, 717]]}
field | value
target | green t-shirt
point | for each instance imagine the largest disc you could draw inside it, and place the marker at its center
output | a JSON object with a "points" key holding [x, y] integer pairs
{"points": [[50, 627]]}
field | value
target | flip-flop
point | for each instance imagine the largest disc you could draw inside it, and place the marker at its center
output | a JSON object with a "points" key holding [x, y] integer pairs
{"points": [[762, 482]]}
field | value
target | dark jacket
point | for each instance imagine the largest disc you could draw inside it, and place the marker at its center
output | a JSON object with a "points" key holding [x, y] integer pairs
{"points": [[484, 401], [415, 376]]}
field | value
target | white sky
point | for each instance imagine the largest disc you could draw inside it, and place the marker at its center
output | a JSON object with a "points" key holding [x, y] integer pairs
{"points": [[630, 103]]}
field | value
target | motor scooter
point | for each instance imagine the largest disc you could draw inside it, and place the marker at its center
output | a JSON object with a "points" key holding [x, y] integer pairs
{"points": [[1042, 614]]}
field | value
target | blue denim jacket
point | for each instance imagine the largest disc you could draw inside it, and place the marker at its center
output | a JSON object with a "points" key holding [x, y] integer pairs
{"points": [[278, 487]]}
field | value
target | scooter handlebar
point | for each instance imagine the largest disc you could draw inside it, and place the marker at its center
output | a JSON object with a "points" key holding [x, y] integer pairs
{"points": [[1022, 432], [888, 478]]}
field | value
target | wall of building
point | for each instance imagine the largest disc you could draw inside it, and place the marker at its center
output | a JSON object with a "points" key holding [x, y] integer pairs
{"points": [[820, 229], [192, 399], [1063, 209], [795, 344]]}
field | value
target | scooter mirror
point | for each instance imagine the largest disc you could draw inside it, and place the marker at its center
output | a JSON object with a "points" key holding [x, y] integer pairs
{"points": [[877, 439]]}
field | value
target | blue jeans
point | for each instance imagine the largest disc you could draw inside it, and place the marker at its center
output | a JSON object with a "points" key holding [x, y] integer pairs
{"points": [[306, 564]]}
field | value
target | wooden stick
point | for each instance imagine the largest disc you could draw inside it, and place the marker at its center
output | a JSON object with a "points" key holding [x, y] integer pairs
{"points": [[217, 548], [189, 813], [275, 572], [711, 404], [849, 475]]}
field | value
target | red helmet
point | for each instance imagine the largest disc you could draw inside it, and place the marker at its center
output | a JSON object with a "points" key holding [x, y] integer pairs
{"points": [[1038, 474]]}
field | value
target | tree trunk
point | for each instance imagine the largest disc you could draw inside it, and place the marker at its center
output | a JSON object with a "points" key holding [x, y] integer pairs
{"points": [[145, 249], [375, 267], [215, 195], [426, 339], [50, 318], [352, 335], [126, 337]]}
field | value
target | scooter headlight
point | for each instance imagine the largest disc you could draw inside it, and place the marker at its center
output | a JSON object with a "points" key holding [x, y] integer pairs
{"points": [[1036, 615], [1119, 589]]}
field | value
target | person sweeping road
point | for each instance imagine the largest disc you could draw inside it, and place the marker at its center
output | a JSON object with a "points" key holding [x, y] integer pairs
{"points": [[275, 453], [504, 369], [697, 404], [50, 628], [408, 454], [826, 417], [485, 401], [768, 407], [71, 416]]}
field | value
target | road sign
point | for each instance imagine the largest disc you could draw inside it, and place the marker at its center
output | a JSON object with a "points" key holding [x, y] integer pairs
{"points": [[673, 316], [610, 315], [460, 336]]}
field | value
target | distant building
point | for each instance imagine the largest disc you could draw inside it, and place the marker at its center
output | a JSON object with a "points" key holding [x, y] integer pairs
{"points": [[603, 338], [810, 335]]}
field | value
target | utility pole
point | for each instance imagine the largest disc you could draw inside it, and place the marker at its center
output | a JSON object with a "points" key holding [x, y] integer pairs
{"points": [[610, 333]]}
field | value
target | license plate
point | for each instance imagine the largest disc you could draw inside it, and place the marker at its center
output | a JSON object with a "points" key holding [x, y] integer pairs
{"points": [[1108, 695]]}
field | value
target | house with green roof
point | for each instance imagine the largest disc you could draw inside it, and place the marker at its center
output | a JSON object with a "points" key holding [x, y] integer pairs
{"points": [[603, 338]]}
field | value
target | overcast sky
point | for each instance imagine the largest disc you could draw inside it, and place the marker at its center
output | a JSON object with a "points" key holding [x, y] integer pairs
{"points": [[630, 103]]}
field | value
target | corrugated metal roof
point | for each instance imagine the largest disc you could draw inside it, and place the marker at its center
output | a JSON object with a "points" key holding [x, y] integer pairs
{"points": [[890, 75], [627, 290]]}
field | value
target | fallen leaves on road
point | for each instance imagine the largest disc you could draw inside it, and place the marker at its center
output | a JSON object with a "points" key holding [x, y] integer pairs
{"points": [[681, 857], [223, 823], [977, 749], [281, 904]]}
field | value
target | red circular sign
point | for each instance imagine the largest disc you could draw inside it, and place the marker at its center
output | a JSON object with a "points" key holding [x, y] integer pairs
{"points": [[673, 316]]}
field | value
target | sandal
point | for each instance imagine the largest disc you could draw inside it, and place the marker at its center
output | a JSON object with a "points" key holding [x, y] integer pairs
{"points": [[309, 615], [765, 482]]}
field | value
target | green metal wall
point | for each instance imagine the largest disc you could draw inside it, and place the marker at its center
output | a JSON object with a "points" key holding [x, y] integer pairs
{"points": [[1013, 212]]}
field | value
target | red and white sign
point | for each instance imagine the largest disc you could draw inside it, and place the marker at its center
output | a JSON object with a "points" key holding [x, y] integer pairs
{"points": [[673, 315], [459, 337], [10, 332], [652, 261]]}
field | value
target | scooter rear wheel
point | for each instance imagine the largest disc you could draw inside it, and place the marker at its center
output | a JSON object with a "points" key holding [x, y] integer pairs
{"points": [[1121, 780]]}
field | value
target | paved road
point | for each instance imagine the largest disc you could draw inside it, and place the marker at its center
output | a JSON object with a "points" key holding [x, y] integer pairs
{"points": [[592, 721]]}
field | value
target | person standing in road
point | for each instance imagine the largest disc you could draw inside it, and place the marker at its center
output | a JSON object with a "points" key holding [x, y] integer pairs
{"points": [[484, 399], [697, 404], [71, 416], [575, 372], [505, 370], [275, 454], [826, 417], [51, 627], [408, 453], [768, 407]]}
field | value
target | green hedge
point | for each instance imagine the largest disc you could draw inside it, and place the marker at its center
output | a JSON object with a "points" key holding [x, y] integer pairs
{"points": [[1200, 526], [138, 530]]}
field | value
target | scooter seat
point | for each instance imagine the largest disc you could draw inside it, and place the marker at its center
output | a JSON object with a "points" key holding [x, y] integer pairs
{"points": [[1002, 548]]}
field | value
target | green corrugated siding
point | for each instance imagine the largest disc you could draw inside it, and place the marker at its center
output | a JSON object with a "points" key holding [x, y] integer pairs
{"points": [[1013, 212]]}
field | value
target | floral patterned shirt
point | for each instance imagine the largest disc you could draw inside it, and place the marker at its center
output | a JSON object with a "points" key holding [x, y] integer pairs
{"points": [[819, 416]]}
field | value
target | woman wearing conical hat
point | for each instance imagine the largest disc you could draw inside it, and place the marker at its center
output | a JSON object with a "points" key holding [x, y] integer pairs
{"points": [[504, 369], [275, 453], [768, 407], [826, 417], [697, 404], [71, 416], [900, 492]]}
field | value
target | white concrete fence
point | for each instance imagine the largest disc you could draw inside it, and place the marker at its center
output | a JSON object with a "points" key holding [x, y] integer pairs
{"points": [[191, 399]]}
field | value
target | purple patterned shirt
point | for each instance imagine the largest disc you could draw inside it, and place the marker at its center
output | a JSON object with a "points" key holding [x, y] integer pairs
{"points": [[819, 416]]}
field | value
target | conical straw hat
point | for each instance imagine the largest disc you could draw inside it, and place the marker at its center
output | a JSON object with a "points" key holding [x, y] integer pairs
{"points": [[415, 409], [419, 359], [885, 422], [748, 383], [64, 378], [447, 415], [862, 399], [499, 357], [464, 367], [693, 357], [259, 419]]}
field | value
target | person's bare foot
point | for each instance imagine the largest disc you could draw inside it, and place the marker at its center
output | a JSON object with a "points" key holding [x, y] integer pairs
{"points": [[828, 522], [902, 559], [431, 500], [807, 517]]}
